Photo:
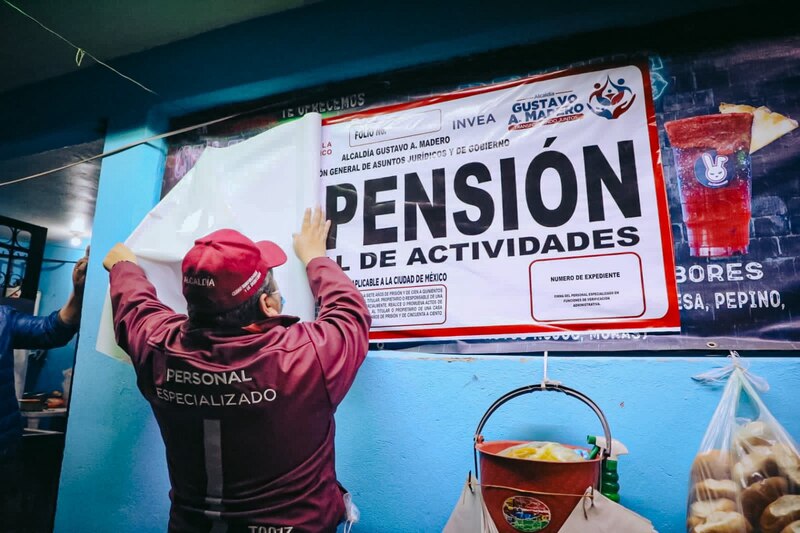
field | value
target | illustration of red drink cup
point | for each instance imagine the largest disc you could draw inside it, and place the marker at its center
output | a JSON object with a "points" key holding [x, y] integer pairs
{"points": [[712, 156]]}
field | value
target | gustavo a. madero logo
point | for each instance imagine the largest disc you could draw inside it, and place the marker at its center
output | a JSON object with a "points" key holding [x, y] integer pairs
{"points": [[611, 100]]}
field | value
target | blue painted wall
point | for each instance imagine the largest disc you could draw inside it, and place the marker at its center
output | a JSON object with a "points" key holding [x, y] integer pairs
{"points": [[404, 439], [112, 476]]}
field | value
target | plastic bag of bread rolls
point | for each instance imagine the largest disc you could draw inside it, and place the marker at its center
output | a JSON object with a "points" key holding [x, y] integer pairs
{"points": [[746, 476]]}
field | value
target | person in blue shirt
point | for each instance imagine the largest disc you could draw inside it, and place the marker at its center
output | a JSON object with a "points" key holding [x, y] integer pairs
{"points": [[23, 331]]}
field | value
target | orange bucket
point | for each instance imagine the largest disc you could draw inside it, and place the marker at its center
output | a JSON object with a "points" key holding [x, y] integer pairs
{"points": [[531, 495]]}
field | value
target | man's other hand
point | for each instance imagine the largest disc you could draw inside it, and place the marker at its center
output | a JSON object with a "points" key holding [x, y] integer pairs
{"points": [[118, 253], [310, 242], [79, 273], [71, 312]]}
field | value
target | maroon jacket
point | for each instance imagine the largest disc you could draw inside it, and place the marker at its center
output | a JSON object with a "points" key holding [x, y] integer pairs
{"points": [[247, 415]]}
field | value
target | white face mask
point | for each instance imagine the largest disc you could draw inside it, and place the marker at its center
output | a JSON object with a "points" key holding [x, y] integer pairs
{"points": [[272, 288]]}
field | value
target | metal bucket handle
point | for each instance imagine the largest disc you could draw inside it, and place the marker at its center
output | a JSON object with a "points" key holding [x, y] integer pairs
{"points": [[536, 388]]}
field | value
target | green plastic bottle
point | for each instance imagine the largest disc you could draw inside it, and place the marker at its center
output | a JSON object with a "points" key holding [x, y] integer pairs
{"points": [[609, 480]]}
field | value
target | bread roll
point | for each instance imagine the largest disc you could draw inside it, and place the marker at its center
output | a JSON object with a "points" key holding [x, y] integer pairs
{"points": [[780, 513], [713, 464], [704, 509], [758, 496], [694, 521], [794, 527], [755, 466], [754, 434], [724, 522], [713, 489], [785, 456], [788, 465], [793, 477]]}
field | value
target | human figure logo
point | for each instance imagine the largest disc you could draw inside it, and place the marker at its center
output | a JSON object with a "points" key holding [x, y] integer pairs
{"points": [[611, 100]]}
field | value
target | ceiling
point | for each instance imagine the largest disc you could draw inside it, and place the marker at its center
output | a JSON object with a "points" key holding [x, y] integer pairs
{"points": [[108, 29], [64, 202]]}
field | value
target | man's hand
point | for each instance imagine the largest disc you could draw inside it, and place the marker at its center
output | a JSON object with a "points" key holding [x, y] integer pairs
{"points": [[71, 312], [79, 274], [118, 253], [310, 242]]}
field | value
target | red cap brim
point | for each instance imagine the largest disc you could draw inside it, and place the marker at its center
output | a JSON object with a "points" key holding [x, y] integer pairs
{"points": [[271, 253]]}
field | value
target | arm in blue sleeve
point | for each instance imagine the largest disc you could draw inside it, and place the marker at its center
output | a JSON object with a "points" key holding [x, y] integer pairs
{"points": [[34, 332]]}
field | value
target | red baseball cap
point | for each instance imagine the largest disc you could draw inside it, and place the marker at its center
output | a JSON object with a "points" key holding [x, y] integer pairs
{"points": [[225, 268]]}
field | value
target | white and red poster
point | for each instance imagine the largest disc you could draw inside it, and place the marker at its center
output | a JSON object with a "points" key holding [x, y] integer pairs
{"points": [[529, 207]]}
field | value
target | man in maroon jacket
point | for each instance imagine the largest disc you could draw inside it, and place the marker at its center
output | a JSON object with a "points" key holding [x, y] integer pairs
{"points": [[245, 396]]}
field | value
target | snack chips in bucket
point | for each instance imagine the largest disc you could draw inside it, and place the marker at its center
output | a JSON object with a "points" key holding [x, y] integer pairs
{"points": [[543, 451]]}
